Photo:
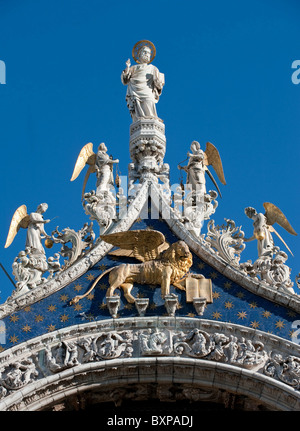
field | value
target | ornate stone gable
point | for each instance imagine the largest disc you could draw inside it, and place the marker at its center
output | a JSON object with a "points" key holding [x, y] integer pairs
{"points": [[232, 303]]}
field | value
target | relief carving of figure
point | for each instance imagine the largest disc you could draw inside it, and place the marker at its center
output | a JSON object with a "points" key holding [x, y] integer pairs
{"points": [[285, 369], [20, 374], [144, 82], [65, 355], [196, 343], [152, 343]]}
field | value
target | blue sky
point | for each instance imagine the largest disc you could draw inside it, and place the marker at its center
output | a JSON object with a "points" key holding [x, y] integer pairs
{"points": [[228, 80]]}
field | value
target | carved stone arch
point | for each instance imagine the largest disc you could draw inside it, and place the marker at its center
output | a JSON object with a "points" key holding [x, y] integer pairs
{"points": [[164, 379], [151, 358]]}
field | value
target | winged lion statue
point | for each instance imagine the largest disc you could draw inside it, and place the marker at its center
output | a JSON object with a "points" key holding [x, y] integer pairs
{"points": [[161, 264]]}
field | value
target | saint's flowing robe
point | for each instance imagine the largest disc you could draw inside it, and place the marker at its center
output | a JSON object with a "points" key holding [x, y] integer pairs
{"points": [[144, 86]]}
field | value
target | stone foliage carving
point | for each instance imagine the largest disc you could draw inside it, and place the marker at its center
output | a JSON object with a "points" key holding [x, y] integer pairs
{"points": [[271, 269], [193, 209], [226, 240], [105, 346], [219, 347], [18, 375], [286, 369], [31, 268], [74, 244]]}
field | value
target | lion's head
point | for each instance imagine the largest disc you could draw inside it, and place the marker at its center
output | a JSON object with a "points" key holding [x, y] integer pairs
{"points": [[179, 255]]}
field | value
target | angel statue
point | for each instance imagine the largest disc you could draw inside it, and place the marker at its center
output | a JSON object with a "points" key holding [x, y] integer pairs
{"points": [[31, 263], [197, 167], [263, 227], [34, 223], [144, 82], [99, 162]]}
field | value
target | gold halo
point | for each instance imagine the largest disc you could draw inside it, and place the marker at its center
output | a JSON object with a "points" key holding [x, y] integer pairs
{"points": [[139, 45]]}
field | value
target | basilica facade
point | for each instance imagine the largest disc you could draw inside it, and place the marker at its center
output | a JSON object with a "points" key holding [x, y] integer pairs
{"points": [[159, 310]]}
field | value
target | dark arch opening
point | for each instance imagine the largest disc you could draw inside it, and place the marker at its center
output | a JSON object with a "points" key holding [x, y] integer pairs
{"points": [[150, 399]]}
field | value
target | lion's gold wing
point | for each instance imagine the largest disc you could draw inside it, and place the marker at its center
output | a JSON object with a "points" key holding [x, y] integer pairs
{"points": [[274, 215], [212, 157], [19, 219], [86, 156], [143, 245]]}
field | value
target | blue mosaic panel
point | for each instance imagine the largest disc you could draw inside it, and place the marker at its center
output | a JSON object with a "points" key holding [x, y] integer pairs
{"points": [[231, 302]]}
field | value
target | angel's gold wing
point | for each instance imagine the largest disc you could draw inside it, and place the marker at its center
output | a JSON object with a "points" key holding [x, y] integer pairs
{"points": [[143, 245], [274, 215], [212, 157], [86, 156], [19, 219]]}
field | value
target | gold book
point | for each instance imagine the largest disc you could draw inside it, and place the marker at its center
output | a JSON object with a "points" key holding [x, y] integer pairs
{"points": [[196, 288], [192, 289], [205, 289]]}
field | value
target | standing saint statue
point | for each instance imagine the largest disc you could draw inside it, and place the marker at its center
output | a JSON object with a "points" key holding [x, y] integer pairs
{"points": [[144, 82]]}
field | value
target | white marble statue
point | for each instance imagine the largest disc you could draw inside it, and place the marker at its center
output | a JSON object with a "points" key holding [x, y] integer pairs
{"points": [[36, 228], [103, 167], [261, 233], [99, 162], [34, 223], [197, 167], [144, 82]]}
